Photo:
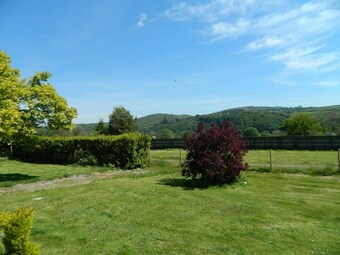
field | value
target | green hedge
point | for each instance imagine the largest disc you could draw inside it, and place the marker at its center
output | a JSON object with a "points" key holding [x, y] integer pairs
{"points": [[124, 151]]}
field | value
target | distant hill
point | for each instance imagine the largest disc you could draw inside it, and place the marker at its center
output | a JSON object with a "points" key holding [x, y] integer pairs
{"points": [[265, 119], [144, 123]]}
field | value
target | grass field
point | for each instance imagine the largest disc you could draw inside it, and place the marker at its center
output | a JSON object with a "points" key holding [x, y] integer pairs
{"points": [[14, 172], [312, 162], [156, 211], [283, 161]]}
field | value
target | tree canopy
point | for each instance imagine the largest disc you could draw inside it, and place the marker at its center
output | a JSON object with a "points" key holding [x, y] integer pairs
{"points": [[167, 134], [101, 128], [26, 104], [121, 121], [301, 124], [251, 131], [330, 120]]}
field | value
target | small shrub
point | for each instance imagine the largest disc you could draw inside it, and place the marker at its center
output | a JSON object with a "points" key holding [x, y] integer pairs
{"points": [[84, 158], [17, 227], [251, 132], [215, 155]]}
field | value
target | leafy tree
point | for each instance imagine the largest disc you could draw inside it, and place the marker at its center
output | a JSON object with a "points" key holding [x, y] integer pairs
{"points": [[78, 131], [165, 121], [331, 121], [121, 121], [186, 134], [167, 134], [301, 124], [101, 128], [215, 155], [251, 131], [26, 104], [265, 133]]}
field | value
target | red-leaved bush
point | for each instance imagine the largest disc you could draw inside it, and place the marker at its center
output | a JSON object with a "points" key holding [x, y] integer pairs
{"points": [[215, 155]]}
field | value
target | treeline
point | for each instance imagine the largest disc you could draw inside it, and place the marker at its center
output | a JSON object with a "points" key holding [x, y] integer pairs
{"points": [[266, 121]]}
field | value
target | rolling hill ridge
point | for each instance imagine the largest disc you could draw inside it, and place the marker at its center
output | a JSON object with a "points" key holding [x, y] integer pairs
{"points": [[267, 120]]}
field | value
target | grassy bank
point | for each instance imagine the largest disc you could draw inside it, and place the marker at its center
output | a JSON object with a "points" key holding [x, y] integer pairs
{"points": [[159, 212]]}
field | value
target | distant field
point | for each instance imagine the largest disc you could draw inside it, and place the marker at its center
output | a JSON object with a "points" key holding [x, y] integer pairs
{"points": [[156, 211], [285, 161], [311, 162]]}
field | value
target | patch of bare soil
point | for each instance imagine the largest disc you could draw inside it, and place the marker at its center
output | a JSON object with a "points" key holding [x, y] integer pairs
{"points": [[52, 184], [64, 182]]}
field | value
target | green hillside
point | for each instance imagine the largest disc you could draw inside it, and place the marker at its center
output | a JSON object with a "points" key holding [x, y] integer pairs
{"points": [[265, 119], [145, 123]]}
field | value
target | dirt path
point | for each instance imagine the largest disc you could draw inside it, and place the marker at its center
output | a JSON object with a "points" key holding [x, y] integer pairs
{"points": [[52, 184], [64, 182]]}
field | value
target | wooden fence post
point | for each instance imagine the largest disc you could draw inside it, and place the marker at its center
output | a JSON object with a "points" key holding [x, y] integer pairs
{"points": [[339, 160], [180, 157]]}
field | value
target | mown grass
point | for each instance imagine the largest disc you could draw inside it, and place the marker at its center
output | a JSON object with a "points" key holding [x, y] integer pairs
{"points": [[14, 172], [306, 162], [168, 161], [162, 213], [283, 161]]}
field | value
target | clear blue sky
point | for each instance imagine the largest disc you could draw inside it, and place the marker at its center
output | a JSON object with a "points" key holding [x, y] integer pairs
{"points": [[170, 56]]}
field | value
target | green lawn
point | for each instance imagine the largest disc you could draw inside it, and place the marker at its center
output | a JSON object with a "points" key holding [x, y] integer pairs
{"points": [[313, 162], [159, 212], [283, 161], [13, 172]]}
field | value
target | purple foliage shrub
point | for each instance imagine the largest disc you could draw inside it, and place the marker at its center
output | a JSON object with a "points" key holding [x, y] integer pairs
{"points": [[215, 155]]}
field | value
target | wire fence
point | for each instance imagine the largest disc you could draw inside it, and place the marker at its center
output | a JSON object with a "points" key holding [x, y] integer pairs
{"points": [[318, 162], [287, 159], [266, 143]]}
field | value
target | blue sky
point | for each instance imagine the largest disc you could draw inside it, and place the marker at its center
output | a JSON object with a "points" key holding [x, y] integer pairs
{"points": [[168, 56]]}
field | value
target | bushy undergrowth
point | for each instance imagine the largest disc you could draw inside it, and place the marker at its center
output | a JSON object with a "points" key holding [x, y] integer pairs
{"points": [[123, 151], [215, 155], [16, 229]]}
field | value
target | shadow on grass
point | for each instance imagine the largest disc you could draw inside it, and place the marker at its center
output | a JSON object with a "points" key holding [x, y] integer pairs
{"points": [[16, 177], [184, 183], [325, 171]]}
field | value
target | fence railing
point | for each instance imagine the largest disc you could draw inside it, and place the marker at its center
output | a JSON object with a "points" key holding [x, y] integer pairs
{"points": [[271, 142], [168, 143], [284, 161]]}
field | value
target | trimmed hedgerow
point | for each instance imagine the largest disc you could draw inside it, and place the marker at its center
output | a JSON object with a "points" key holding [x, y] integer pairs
{"points": [[215, 155], [125, 151]]}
